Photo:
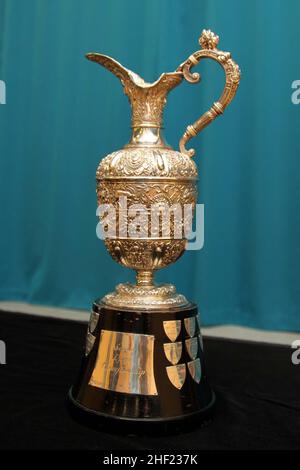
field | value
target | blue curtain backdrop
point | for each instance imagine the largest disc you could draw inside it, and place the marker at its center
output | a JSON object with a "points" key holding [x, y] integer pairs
{"points": [[63, 114]]}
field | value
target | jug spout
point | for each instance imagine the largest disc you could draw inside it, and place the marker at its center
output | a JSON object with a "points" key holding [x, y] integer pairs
{"points": [[147, 99]]}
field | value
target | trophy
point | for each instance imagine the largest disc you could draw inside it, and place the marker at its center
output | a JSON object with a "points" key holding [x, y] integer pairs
{"points": [[143, 359]]}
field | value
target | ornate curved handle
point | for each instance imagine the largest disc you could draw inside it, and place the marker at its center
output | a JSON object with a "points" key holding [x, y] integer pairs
{"points": [[209, 41]]}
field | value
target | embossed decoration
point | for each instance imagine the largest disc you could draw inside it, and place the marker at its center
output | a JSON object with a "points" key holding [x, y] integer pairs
{"points": [[172, 328], [90, 340], [209, 41], [161, 162], [152, 195], [127, 295], [152, 253], [146, 192], [195, 369], [190, 325], [94, 318], [147, 99], [177, 375], [142, 254], [173, 352], [192, 347], [150, 173]]}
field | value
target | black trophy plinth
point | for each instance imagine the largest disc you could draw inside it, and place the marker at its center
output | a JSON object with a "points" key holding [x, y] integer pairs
{"points": [[142, 367]]}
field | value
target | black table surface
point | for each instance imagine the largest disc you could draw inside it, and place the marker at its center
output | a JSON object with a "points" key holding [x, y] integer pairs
{"points": [[257, 386]]}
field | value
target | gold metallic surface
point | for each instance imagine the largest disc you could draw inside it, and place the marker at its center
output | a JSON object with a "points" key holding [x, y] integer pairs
{"points": [[209, 41], [125, 363], [145, 254], [147, 162], [147, 171], [173, 352], [190, 325], [191, 345], [147, 99], [194, 368], [172, 329], [150, 297], [177, 375]]}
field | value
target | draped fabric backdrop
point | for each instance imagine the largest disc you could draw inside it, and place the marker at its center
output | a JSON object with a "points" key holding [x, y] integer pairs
{"points": [[63, 114]]}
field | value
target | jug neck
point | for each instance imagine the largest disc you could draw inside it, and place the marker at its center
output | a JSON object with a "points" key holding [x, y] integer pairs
{"points": [[147, 106], [147, 100], [147, 136]]}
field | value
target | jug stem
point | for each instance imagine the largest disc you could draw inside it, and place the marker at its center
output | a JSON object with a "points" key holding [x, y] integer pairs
{"points": [[144, 278]]}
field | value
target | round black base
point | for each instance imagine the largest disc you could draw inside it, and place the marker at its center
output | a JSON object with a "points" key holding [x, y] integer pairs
{"points": [[159, 426], [142, 369]]}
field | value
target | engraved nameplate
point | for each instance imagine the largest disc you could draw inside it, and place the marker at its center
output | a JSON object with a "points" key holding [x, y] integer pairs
{"points": [[125, 363]]}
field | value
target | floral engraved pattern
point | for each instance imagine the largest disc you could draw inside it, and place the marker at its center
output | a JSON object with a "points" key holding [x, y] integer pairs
{"points": [[148, 173], [208, 39], [156, 197], [208, 42], [129, 294], [147, 99], [147, 162], [145, 254], [147, 193]]}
